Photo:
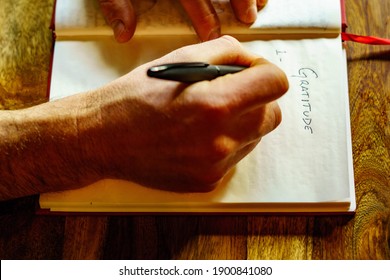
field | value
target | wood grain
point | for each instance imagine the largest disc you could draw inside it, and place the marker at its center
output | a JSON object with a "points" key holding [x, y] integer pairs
{"points": [[366, 235], [25, 45], [369, 74]]}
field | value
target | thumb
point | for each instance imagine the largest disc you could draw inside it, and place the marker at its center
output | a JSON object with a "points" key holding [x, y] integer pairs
{"points": [[120, 15]]}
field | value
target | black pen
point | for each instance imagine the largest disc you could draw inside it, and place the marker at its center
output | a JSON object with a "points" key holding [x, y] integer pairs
{"points": [[191, 72]]}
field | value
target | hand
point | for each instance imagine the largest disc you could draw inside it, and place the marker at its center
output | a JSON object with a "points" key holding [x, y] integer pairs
{"points": [[185, 137], [121, 16], [205, 19]]}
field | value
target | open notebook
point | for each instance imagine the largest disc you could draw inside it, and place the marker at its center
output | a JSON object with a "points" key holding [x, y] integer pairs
{"points": [[305, 165]]}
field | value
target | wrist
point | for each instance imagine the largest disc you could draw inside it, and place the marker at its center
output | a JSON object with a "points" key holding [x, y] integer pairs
{"points": [[41, 149]]}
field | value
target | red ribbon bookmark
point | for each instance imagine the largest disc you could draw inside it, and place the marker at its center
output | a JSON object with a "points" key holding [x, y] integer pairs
{"points": [[364, 39]]}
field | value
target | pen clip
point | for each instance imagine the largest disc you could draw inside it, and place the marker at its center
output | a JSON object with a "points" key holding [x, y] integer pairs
{"points": [[164, 67]]}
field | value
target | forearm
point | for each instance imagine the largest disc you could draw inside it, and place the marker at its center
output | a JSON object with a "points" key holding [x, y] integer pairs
{"points": [[41, 149]]}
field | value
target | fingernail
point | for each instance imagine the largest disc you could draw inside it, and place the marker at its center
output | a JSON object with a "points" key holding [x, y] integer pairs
{"points": [[261, 4], [119, 29], [251, 15]]}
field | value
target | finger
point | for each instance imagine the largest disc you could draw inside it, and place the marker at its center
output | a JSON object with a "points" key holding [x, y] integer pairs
{"points": [[256, 123], [261, 4], [267, 120], [241, 92], [245, 10], [120, 15], [232, 147], [203, 17], [249, 89]]}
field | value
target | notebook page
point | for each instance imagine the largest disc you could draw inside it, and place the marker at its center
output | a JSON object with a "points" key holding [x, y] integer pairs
{"points": [[166, 17], [102, 65], [304, 160], [316, 14]]}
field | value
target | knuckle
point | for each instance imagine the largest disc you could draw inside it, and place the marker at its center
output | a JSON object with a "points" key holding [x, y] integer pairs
{"points": [[234, 47], [214, 109], [216, 113], [232, 41], [221, 148]]}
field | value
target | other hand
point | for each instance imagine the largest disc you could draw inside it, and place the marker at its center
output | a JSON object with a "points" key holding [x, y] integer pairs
{"points": [[121, 16]]}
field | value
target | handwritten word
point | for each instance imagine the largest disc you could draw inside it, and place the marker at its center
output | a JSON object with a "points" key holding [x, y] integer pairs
{"points": [[304, 75], [280, 54]]}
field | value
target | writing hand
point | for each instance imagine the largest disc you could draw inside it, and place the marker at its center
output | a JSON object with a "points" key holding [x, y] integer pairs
{"points": [[187, 137]]}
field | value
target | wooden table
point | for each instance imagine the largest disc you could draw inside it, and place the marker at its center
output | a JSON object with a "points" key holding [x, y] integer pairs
{"points": [[366, 235]]}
